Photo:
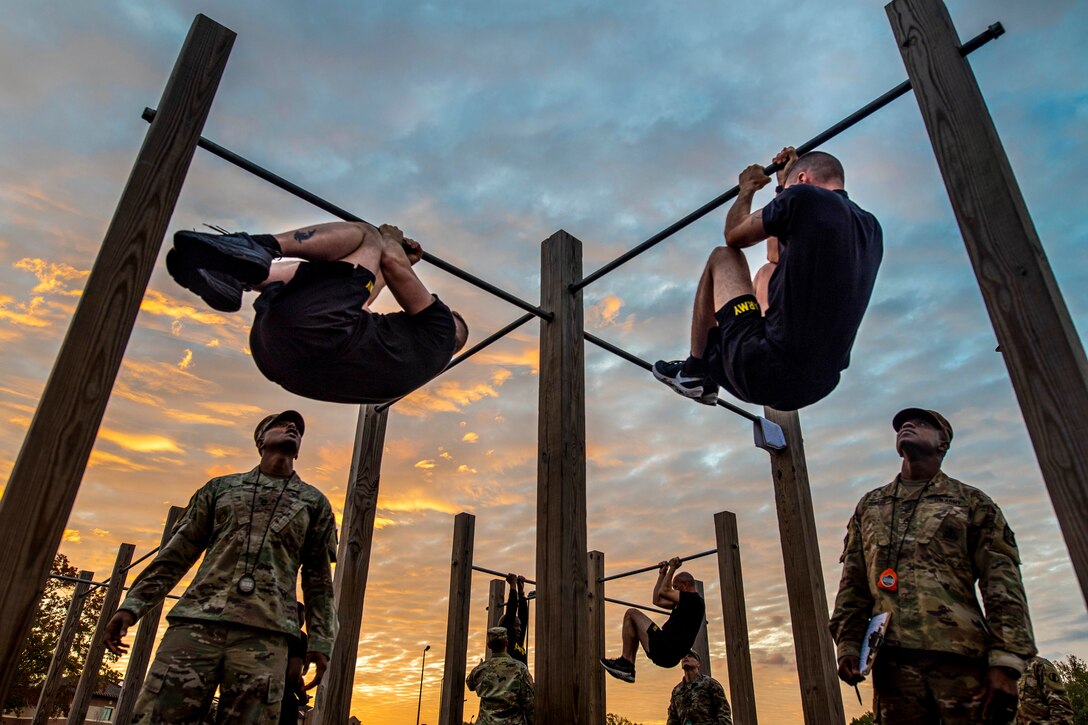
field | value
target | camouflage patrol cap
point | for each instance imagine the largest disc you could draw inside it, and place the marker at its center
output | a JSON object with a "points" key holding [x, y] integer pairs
{"points": [[496, 634], [930, 415], [269, 420]]}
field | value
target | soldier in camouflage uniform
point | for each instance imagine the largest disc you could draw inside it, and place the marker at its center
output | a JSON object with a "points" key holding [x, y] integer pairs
{"points": [[916, 548], [230, 629], [503, 684], [1042, 696], [699, 699]]}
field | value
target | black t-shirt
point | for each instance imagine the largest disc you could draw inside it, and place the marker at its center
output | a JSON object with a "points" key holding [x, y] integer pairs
{"points": [[517, 606], [829, 253], [683, 624]]}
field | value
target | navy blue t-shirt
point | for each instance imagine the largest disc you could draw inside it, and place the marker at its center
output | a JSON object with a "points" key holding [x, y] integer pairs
{"points": [[829, 253]]}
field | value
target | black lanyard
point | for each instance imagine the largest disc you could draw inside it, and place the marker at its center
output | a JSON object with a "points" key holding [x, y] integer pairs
{"points": [[917, 504], [252, 513]]}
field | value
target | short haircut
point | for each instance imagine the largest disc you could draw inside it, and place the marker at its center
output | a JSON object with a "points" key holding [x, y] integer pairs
{"points": [[498, 645], [684, 577], [821, 166]]}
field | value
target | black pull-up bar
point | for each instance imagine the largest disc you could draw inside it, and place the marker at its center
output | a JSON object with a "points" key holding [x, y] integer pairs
{"points": [[994, 31], [472, 351], [700, 555], [768, 434], [296, 190], [95, 585], [643, 607], [497, 573]]}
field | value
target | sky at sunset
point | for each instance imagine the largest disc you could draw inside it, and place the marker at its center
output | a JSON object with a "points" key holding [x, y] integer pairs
{"points": [[481, 128]]}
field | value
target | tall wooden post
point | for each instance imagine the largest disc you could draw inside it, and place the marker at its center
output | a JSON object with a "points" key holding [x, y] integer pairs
{"points": [[47, 699], [701, 645], [563, 680], [742, 691], [496, 598], [821, 700], [451, 709], [353, 565], [140, 654], [595, 647], [43, 485], [1042, 351], [88, 680]]}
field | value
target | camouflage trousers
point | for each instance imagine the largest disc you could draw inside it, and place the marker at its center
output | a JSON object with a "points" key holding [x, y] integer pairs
{"points": [[922, 688], [194, 658]]}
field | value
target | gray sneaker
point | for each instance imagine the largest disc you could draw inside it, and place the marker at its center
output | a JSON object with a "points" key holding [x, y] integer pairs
{"points": [[221, 291], [238, 254], [619, 668]]}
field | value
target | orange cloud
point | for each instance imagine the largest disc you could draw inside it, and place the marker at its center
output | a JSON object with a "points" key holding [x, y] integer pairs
{"points": [[426, 464], [27, 315], [409, 505], [102, 459], [72, 536], [52, 277], [156, 303], [470, 437], [466, 469], [139, 442], [186, 360]]}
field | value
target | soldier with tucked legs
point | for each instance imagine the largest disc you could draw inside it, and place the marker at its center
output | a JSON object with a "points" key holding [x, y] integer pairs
{"points": [[503, 684], [231, 628], [698, 699], [916, 548]]}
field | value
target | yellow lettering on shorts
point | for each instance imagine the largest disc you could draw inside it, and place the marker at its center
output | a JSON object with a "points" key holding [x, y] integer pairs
{"points": [[746, 306], [370, 286]]}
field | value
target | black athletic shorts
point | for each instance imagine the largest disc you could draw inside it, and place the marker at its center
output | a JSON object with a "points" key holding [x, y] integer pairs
{"points": [[663, 650], [741, 359]]}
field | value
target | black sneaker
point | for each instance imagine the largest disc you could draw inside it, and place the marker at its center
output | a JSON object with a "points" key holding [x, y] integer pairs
{"points": [[237, 254], [221, 291], [619, 668], [697, 387]]}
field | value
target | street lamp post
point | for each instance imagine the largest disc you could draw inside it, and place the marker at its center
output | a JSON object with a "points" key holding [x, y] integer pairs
{"points": [[419, 704]]}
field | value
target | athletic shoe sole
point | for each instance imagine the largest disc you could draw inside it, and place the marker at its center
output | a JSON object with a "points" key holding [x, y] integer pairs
{"points": [[693, 393], [234, 254], [618, 673], [218, 290]]}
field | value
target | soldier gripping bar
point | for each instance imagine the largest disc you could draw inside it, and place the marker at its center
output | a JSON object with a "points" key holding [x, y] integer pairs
{"points": [[700, 555], [994, 31]]}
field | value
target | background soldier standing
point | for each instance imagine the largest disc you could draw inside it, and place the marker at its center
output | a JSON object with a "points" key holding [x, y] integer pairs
{"points": [[916, 548], [503, 684], [1042, 696], [698, 699], [231, 627]]}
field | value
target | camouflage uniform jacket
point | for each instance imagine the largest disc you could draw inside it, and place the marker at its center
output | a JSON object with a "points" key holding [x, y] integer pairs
{"points": [[1042, 696], [301, 533], [957, 537], [505, 690], [700, 702]]}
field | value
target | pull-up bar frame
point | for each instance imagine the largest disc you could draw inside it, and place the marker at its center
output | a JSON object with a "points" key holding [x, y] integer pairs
{"points": [[485, 570], [97, 585], [327, 206], [645, 569], [994, 31]]}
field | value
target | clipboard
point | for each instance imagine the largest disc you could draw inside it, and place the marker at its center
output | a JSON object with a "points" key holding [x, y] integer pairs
{"points": [[874, 639]]}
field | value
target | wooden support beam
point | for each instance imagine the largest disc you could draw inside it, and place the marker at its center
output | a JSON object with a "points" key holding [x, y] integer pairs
{"points": [[47, 698], [43, 485], [742, 691], [451, 709], [140, 654], [595, 646], [353, 565], [496, 599], [1042, 350], [701, 646], [88, 680], [821, 700], [563, 681]]}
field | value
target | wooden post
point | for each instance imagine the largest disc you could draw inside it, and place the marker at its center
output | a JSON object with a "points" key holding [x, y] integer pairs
{"points": [[140, 654], [821, 700], [48, 697], [701, 645], [88, 680], [563, 681], [1042, 351], [43, 485], [595, 649], [742, 691], [452, 706], [353, 565], [496, 599]]}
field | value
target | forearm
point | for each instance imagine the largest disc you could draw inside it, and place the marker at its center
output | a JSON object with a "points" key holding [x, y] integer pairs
{"points": [[737, 214], [161, 576]]}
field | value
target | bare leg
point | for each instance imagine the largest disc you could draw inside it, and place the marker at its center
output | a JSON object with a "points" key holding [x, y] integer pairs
{"points": [[279, 272], [726, 276], [354, 242], [636, 627], [762, 280]]}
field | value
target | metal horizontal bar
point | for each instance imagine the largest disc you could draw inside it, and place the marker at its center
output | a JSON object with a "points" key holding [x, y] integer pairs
{"points": [[499, 574], [95, 585], [646, 366], [701, 554], [994, 31], [637, 606], [470, 352], [296, 190]]}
